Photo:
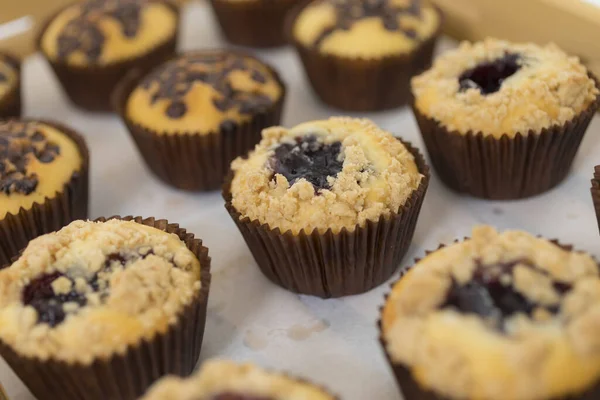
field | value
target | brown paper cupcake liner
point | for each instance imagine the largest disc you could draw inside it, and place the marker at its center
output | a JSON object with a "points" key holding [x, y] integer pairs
{"points": [[412, 390], [505, 168], [125, 376], [91, 87], [596, 192], [195, 161], [334, 265], [16, 230], [10, 104], [255, 23], [358, 84]]}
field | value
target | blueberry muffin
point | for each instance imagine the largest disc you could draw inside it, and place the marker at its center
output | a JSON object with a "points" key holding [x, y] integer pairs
{"points": [[596, 192], [254, 23], [91, 45], [500, 316], [226, 380], [504, 120], [360, 55], [43, 181], [193, 115], [82, 306], [328, 207], [10, 86]]}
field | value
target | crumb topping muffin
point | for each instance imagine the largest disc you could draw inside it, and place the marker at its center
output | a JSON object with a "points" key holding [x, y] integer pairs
{"points": [[93, 288], [330, 174], [101, 32], [203, 92], [369, 29], [226, 380], [498, 316], [9, 75], [36, 161], [496, 87]]}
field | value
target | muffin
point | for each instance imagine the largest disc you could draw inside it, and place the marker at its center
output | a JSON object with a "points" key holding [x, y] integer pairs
{"points": [[43, 181], [502, 120], [100, 310], [360, 55], [91, 45], [328, 208], [191, 116], [10, 86], [596, 192], [226, 380], [254, 23], [500, 316]]}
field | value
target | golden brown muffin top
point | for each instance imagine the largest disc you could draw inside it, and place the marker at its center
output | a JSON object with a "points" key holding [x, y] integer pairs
{"points": [[366, 28], [9, 75], [36, 161], [330, 174], [204, 92], [497, 87], [228, 380], [92, 289], [500, 316], [101, 32]]}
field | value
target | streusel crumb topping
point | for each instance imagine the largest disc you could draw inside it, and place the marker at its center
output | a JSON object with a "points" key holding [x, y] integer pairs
{"points": [[92, 289], [330, 174], [499, 316], [227, 380], [496, 87]]}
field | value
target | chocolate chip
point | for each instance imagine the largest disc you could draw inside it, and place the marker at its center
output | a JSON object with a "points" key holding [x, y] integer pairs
{"points": [[176, 109]]}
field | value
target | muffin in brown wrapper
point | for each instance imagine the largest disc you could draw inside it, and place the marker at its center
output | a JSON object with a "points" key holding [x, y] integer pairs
{"points": [[362, 84], [127, 375], [505, 168], [411, 389], [596, 192], [16, 230], [195, 161], [334, 265], [10, 104], [91, 87], [254, 23]]}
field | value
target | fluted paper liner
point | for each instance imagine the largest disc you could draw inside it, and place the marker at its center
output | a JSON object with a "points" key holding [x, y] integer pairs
{"points": [[412, 390], [195, 161], [362, 84], [254, 23], [334, 265], [10, 104], [596, 192], [71, 203], [91, 87], [505, 168], [126, 376]]}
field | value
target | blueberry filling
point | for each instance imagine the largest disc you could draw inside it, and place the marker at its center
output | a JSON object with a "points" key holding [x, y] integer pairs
{"points": [[310, 159], [40, 295], [494, 298], [488, 77], [237, 396]]}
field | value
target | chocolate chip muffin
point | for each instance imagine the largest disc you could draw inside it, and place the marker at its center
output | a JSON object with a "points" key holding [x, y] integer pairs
{"points": [[10, 86], [504, 120], [191, 116], [328, 207], [596, 192], [360, 55], [499, 316], [43, 181], [82, 306], [226, 380], [254, 23], [91, 45]]}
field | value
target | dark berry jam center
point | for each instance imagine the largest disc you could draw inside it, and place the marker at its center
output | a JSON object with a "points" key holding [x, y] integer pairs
{"points": [[492, 297], [238, 396], [488, 77], [310, 159], [49, 305]]}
